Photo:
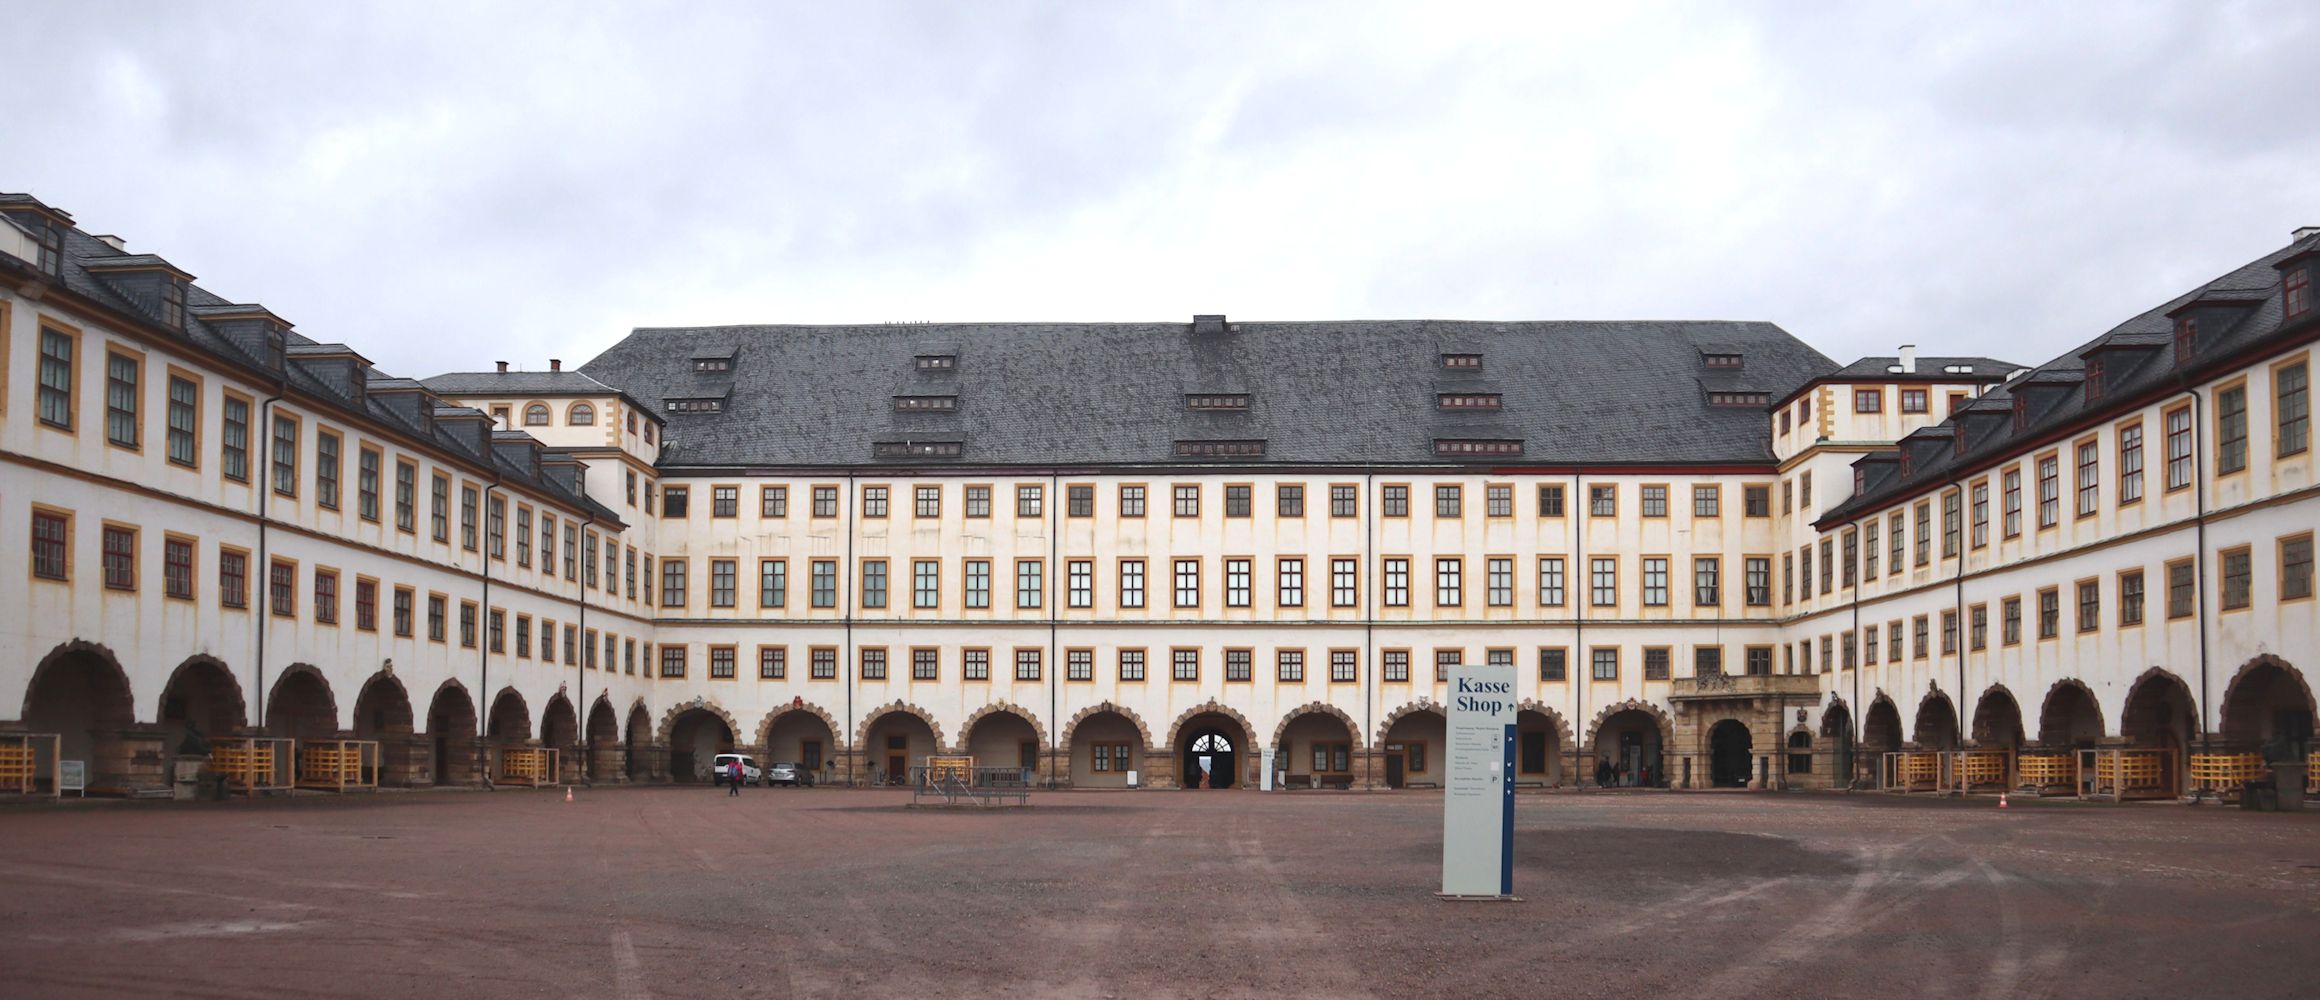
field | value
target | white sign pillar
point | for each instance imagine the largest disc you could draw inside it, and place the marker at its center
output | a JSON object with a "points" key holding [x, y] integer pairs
{"points": [[1478, 805]]}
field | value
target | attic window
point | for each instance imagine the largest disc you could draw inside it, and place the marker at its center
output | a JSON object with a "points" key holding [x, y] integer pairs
{"points": [[937, 362], [277, 341], [2186, 339], [51, 249], [1217, 401], [1720, 360], [2296, 293], [1742, 399], [925, 404], [1461, 361], [2021, 413], [712, 364], [916, 449], [1473, 446], [1468, 400], [1860, 480], [2094, 378], [173, 304], [1957, 438], [1907, 466], [696, 405], [1220, 449]]}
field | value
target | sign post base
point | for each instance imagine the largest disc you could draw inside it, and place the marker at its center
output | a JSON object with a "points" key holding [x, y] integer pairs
{"points": [[1452, 897]]}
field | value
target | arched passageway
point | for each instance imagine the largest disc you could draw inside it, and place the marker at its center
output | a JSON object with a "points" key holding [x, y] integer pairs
{"points": [[451, 733], [2160, 715], [1880, 735], [639, 743], [1003, 739], [695, 739], [1106, 748], [1837, 728], [382, 712], [2267, 709], [1412, 753], [1539, 739], [203, 700], [79, 693], [1316, 749], [894, 743], [1730, 755], [1998, 720], [1937, 723], [1209, 750], [302, 706], [803, 738], [1630, 743], [2070, 719], [603, 749], [560, 731]]}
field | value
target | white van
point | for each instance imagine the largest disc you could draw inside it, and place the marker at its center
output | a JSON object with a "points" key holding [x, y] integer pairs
{"points": [[724, 763]]}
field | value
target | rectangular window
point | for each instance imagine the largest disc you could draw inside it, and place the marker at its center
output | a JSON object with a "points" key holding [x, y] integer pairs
{"points": [[1655, 501], [1289, 574], [1828, 564], [1237, 665], [285, 460], [1396, 666], [1949, 632], [1030, 584], [722, 584], [402, 611], [1446, 660], [1924, 547], [1394, 501], [1498, 582], [366, 605], [1344, 583], [1952, 524], [326, 468], [676, 501], [1605, 578], [1919, 629], [439, 511], [1498, 501], [927, 501], [282, 594], [185, 422], [772, 583], [2049, 613], [873, 664], [1978, 625], [826, 501], [56, 378], [772, 663], [1030, 501], [2049, 491], [1759, 582], [1131, 583], [406, 496], [1131, 664], [1449, 582], [2089, 478], [1550, 501], [571, 551], [1756, 501], [1707, 587], [1344, 666], [873, 583], [1655, 582], [1186, 664], [1707, 501], [2013, 491], [1079, 501], [1981, 511], [1606, 664], [1449, 500], [823, 582], [2238, 575], [1131, 501], [1869, 550], [177, 568], [1554, 665], [2178, 423], [2231, 430], [1869, 643], [1236, 500], [1187, 500], [2292, 408], [1913, 401], [119, 548], [436, 605], [1551, 581], [773, 501], [123, 374], [1759, 661], [1344, 500], [1397, 583], [2089, 606], [1655, 663], [1236, 583], [672, 660], [1603, 501], [2181, 589], [978, 593], [874, 501], [925, 583], [1868, 400], [672, 583], [523, 637], [2131, 462], [1188, 583], [51, 545], [2130, 598], [2296, 567]]}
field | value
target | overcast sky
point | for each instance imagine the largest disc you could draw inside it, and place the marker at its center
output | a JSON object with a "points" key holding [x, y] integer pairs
{"points": [[445, 186]]}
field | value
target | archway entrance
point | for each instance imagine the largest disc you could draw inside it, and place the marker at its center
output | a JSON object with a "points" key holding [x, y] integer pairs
{"points": [[203, 699], [802, 738], [695, 739], [2268, 710], [1837, 725], [509, 725], [82, 696], [560, 731], [892, 743], [302, 707], [1105, 748], [1538, 747], [1210, 760], [1629, 743], [639, 739], [1412, 754], [1729, 753], [603, 742], [1937, 723], [451, 727], [382, 712], [1997, 721], [1316, 749], [2160, 715], [1004, 739], [2070, 718]]}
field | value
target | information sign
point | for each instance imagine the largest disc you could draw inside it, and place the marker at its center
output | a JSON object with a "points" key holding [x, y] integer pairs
{"points": [[1478, 805]]}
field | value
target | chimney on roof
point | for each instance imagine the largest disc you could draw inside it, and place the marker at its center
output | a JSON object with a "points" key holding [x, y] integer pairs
{"points": [[1206, 324], [555, 364], [115, 242], [1908, 365], [2302, 233], [503, 367]]}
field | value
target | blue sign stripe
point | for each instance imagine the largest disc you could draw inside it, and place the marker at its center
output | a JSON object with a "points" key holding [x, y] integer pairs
{"points": [[1506, 819]]}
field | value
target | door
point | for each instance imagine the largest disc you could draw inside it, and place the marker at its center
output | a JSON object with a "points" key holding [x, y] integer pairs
{"points": [[1395, 761], [897, 759], [1534, 753], [1630, 758]]}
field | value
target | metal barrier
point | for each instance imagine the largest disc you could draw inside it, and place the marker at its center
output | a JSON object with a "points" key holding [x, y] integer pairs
{"points": [[2049, 774], [958, 783], [1980, 770], [253, 764], [2134, 774], [2222, 774], [530, 766], [1913, 771], [30, 764], [2312, 773], [339, 765]]}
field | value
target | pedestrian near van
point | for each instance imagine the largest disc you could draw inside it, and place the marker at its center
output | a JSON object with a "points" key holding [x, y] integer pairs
{"points": [[733, 777]]}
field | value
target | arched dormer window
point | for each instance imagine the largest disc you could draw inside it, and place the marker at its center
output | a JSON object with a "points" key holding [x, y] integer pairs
{"points": [[583, 415], [536, 415]]}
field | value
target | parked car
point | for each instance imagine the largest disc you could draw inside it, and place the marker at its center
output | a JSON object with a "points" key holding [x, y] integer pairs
{"points": [[750, 774], [786, 772]]}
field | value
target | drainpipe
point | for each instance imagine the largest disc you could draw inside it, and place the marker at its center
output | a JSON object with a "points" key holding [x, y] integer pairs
{"points": [[483, 651], [1581, 671], [846, 667], [2199, 556], [1054, 662], [1958, 609], [588, 649], [1369, 686], [264, 570], [1860, 666]]}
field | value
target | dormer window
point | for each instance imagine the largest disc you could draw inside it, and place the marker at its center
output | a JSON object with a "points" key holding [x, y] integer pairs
{"points": [[1461, 361], [696, 405], [1232, 401], [1860, 480], [712, 364], [1907, 466], [2094, 378], [277, 341], [1472, 446], [1467, 401], [2296, 292], [1220, 449], [916, 449], [925, 404], [1957, 438], [2021, 413], [1747, 399], [937, 362], [1720, 360], [173, 304], [2186, 339]]}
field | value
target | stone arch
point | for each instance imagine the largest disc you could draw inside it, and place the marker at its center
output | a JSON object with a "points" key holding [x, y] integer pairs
{"points": [[1836, 718], [451, 688], [1667, 726], [603, 739], [452, 729], [1997, 718], [1935, 724], [1351, 728], [88, 703], [1423, 704], [1562, 726], [312, 707], [2155, 682], [1143, 732], [2054, 726], [967, 728], [1205, 708], [669, 718], [204, 693], [635, 736], [765, 725], [862, 732], [382, 712], [1881, 725], [2263, 680]]}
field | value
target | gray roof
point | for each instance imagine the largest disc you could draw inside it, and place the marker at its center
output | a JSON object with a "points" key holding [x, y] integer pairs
{"points": [[1927, 367], [516, 384], [1323, 393]]}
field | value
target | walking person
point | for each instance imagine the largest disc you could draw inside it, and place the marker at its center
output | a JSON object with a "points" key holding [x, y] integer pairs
{"points": [[733, 777]]}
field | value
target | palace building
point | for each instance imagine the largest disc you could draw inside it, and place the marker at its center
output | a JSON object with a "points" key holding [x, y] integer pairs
{"points": [[1115, 553]]}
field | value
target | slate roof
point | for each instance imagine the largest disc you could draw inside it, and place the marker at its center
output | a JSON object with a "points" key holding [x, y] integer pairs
{"points": [[322, 374], [1323, 393], [1927, 367], [2138, 359], [553, 383]]}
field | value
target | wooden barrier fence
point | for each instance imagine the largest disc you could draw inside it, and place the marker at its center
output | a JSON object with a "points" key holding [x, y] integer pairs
{"points": [[2134, 774], [339, 765], [1913, 771], [2222, 774], [2049, 773], [29, 764], [2312, 773], [1980, 770], [533, 766], [254, 764]]}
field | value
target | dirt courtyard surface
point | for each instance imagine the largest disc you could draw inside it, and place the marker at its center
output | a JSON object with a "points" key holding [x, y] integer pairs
{"points": [[684, 892]]}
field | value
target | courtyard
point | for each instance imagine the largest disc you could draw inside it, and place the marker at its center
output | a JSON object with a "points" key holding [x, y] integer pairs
{"points": [[676, 891]]}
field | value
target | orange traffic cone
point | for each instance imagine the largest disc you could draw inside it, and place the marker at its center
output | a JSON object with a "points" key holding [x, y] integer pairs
{"points": [[567, 793], [2001, 800]]}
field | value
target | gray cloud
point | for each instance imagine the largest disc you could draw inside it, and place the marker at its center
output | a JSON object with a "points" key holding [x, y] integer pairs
{"points": [[445, 185]]}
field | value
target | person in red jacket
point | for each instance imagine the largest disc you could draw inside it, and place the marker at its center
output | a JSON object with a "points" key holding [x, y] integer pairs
{"points": [[733, 777]]}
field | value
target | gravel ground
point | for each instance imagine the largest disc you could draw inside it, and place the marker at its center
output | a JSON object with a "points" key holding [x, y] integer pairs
{"points": [[685, 892]]}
